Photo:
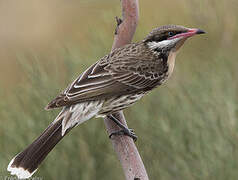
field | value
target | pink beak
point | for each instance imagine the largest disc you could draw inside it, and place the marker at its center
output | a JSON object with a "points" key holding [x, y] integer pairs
{"points": [[189, 33]]}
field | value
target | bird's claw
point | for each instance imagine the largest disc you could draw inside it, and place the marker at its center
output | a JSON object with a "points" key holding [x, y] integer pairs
{"points": [[127, 132]]}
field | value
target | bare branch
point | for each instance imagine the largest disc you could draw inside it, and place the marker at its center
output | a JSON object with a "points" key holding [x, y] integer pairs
{"points": [[124, 146], [127, 27]]}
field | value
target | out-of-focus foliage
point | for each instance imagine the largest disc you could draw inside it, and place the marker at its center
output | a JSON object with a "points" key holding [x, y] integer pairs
{"points": [[187, 128]]}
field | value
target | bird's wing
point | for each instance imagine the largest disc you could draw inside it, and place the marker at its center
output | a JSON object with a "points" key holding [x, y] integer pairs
{"points": [[111, 76], [137, 73]]}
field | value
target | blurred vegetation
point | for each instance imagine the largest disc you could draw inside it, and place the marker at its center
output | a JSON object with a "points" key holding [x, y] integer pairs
{"points": [[187, 128]]}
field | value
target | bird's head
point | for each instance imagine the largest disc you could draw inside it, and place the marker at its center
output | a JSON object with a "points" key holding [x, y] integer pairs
{"points": [[170, 37]]}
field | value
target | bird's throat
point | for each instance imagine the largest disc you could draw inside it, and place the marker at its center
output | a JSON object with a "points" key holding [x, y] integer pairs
{"points": [[171, 62]]}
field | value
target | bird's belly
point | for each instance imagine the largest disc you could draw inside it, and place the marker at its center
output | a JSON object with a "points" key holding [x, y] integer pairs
{"points": [[118, 103]]}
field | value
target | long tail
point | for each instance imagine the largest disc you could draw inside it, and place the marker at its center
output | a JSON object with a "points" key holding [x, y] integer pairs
{"points": [[24, 164]]}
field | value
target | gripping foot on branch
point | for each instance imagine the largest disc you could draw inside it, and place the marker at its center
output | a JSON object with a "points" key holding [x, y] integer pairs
{"points": [[124, 131], [127, 132]]}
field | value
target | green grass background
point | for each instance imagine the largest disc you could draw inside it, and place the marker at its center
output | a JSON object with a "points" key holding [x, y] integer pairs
{"points": [[187, 128]]}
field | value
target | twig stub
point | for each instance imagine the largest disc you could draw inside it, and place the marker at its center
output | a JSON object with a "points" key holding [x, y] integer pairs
{"points": [[118, 21]]}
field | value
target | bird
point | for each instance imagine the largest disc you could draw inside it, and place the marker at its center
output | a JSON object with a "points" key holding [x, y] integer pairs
{"points": [[113, 83]]}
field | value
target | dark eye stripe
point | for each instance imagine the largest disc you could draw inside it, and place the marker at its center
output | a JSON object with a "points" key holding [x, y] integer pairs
{"points": [[167, 35], [164, 36]]}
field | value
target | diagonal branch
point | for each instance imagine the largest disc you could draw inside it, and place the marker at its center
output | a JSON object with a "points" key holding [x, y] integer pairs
{"points": [[124, 146]]}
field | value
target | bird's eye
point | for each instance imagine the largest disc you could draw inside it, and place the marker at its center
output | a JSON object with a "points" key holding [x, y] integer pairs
{"points": [[170, 34]]}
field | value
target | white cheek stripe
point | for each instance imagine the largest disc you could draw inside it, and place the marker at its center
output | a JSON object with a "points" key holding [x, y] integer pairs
{"points": [[162, 44]]}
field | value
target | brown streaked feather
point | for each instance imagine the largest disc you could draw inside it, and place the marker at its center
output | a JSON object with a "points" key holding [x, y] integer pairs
{"points": [[119, 73]]}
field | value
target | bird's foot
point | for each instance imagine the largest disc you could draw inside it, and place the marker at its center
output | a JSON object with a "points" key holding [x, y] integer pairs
{"points": [[127, 132]]}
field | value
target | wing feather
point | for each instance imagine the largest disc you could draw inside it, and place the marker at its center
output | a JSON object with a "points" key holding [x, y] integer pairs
{"points": [[110, 76]]}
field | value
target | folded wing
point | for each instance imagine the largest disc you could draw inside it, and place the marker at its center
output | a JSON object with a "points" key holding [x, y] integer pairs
{"points": [[112, 76]]}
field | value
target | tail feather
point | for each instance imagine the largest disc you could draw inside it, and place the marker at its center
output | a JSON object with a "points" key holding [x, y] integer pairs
{"points": [[26, 163]]}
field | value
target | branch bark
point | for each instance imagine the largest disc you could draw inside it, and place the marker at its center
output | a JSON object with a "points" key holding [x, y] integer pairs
{"points": [[124, 146]]}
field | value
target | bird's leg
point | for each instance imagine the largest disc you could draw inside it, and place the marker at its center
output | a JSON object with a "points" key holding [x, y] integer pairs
{"points": [[124, 131]]}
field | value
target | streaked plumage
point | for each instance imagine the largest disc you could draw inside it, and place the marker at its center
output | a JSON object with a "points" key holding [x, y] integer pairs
{"points": [[113, 83], [127, 70]]}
